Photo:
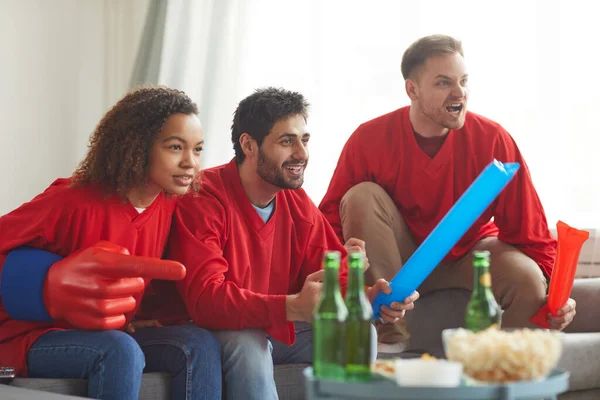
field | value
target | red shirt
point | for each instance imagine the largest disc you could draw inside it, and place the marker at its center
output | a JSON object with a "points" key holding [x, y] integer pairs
{"points": [[385, 151], [62, 220], [430, 145], [239, 268]]}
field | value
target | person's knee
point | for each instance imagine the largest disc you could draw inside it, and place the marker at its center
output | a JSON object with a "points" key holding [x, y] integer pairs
{"points": [[249, 346], [201, 338], [529, 290], [528, 277], [531, 280], [516, 275], [247, 364], [123, 351], [198, 343], [360, 196]]}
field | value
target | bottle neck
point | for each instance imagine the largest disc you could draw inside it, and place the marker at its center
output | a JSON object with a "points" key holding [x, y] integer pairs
{"points": [[482, 284], [331, 282], [356, 281]]}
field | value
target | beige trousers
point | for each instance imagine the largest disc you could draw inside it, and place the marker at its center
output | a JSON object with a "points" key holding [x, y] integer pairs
{"points": [[368, 213]]}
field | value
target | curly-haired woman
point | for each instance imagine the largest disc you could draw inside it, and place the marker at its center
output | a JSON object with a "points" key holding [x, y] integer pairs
{"points": [[73, 316]]}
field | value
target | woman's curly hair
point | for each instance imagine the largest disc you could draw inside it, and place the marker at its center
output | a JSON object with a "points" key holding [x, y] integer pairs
{"points": [[119, 149]]}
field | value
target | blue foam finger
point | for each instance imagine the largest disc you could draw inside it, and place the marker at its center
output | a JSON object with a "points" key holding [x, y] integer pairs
{"points": [[474, 201]]}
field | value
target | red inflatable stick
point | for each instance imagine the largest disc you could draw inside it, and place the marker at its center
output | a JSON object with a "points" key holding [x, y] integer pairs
{"points": [[570, 241]]}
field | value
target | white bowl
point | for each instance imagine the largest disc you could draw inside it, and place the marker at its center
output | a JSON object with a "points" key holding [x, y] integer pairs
{"points": [[433, 373]]}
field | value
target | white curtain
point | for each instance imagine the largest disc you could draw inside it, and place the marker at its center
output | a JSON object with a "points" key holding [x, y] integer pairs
{"points": [[198, 52], [533, 68]]}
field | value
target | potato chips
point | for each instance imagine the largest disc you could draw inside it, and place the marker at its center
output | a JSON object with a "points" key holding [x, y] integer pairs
{"points": [[499, 356]]}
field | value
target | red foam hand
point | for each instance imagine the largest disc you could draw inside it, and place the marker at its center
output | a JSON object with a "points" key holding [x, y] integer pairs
{"points": [[95, 287], [570, 241]]}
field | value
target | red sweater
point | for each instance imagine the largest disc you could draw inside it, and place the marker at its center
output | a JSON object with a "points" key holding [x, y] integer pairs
{"points": [[239, 268], [62, 220], [385, 151]]}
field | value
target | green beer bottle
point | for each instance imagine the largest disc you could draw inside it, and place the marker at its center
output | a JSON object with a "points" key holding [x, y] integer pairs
{"points": [[328, 323], [482, 310], [358, 323]]}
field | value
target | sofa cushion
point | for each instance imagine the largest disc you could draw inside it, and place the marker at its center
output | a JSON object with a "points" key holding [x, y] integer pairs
{"points": [[155, 386], [581, 357]]}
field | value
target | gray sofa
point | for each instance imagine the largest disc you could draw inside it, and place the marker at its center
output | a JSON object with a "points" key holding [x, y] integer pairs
{"points": [[432, 314]]}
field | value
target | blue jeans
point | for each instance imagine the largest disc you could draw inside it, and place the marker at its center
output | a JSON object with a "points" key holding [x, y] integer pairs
{"points": [[249, 356], [113, 361]]}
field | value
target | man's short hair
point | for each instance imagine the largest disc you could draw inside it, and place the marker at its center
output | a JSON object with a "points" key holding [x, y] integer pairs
{"points": [[257, 114], [426, 47]]}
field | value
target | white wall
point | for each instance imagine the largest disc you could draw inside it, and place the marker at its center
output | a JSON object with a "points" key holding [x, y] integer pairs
{"points": [[63, 63]]}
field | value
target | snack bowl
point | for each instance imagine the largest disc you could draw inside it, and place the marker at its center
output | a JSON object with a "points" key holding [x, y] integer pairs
{"points": [[428, 372], [500, 356]]}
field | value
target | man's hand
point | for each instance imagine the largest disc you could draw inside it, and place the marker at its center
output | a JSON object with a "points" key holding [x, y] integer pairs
{"points": [[358, 246], [564, 318], [300, 307], [94, 288], [396, 310]]}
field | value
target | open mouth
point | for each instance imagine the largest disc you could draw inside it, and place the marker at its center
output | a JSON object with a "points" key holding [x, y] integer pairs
{"points": [[455, 108], [295, 169]]}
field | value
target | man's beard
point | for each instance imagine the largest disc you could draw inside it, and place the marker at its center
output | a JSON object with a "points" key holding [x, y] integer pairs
{"points": [[270, 172]]}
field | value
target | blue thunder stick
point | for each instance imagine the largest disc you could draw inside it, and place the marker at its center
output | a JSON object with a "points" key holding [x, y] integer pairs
{"points": [[474, 201]]}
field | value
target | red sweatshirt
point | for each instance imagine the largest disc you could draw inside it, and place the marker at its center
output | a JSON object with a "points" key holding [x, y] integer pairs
{"points": [[239, 268], [62, 220], [385, 151]]}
